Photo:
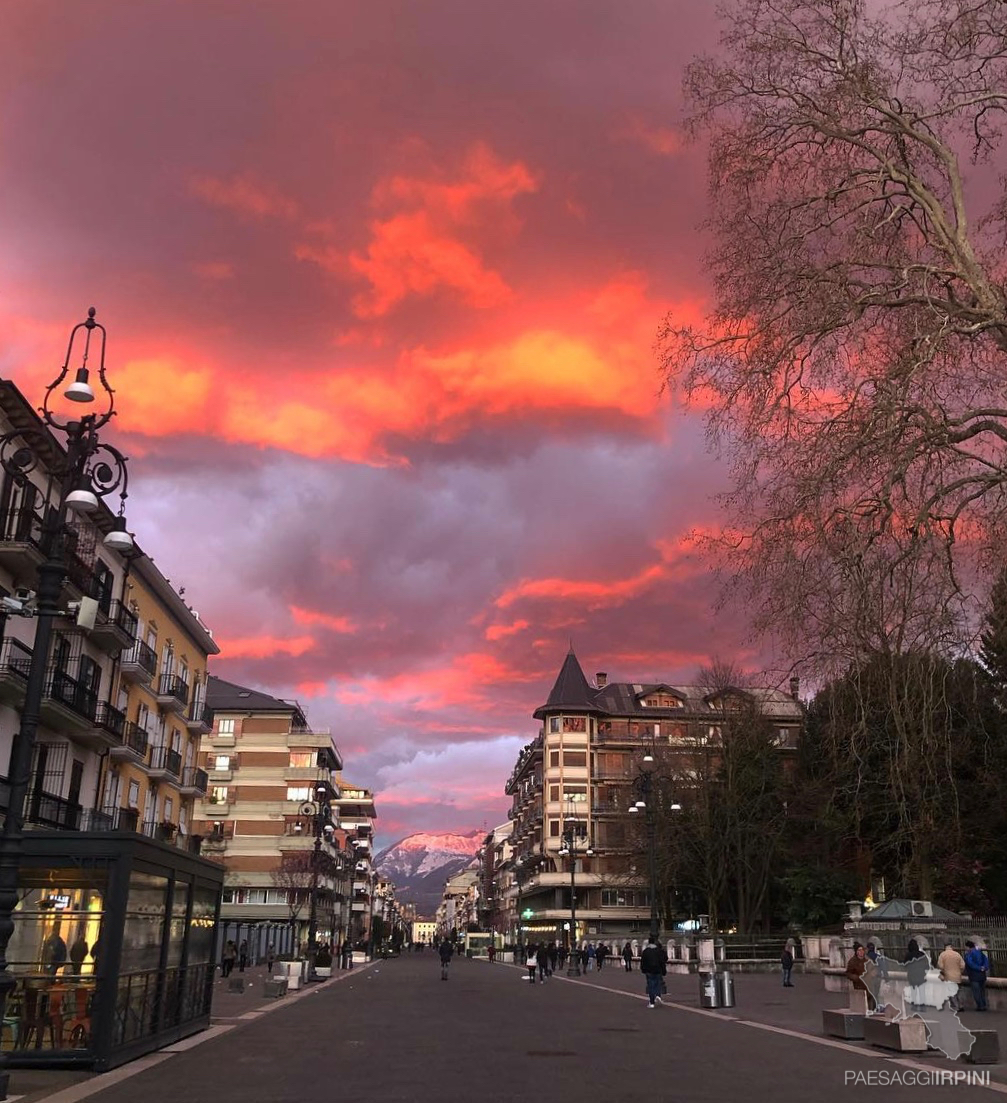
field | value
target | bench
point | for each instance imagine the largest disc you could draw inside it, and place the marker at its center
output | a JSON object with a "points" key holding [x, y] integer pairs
{"points": [[985, 1049], [903, 1035]]}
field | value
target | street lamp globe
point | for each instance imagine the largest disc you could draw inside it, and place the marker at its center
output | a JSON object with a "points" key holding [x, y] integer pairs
{"points": [[118, 539], [80, 390], [82, 500]]}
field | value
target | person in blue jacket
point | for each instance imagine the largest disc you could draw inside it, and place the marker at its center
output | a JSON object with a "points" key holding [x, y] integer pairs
{"points": [[977, 965]]}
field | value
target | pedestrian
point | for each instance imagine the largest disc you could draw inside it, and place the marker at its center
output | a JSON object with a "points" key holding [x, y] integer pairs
{"points": [[346, 955], [592, 957], [542, 959], [856, 967], [553, 957], [491, 952], [977, 965], [584, 958], [242, 956], [600, 954], [627, 957], [872, 952], [787, 963], [446, 952], [952, 967], [561, 955], [654, 966], [227, 958], [531, 962], [270, 958]]}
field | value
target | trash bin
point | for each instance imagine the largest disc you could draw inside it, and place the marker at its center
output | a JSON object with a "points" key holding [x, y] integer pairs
{"points": [[725, 988], [709, 996]]}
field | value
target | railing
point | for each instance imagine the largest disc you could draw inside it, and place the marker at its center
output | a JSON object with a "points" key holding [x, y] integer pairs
{"points": [[171, 685], [135, 737], [142, 655], [164, 758], [45, 810], [79, 573], [15, 658], [197, 711], [22, 526], [148, 1003], [159, 829], [123, 618], [610, 774], [111, 719], [75, 695], [193, 778], [110, 818]]}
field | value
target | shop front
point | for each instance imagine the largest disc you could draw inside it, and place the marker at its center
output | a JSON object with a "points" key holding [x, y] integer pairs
{"points": [[113, 948]]}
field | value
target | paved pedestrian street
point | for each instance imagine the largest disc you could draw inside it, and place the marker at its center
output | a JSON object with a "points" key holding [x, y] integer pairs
{"points": [[394, 1031]]}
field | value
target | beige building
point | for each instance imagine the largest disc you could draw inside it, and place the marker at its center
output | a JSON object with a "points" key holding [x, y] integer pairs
{"points": [[269, 772], [424, 930], [357, 814]]}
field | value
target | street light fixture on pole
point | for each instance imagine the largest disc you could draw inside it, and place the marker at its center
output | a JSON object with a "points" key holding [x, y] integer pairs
{"points": [[574, 832], [320, 812], [644, 787], [88, 471]]}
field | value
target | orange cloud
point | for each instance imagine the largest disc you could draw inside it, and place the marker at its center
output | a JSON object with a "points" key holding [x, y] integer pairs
{"points": [[499, 631], [263, 647], [244, 195], [310, 616], [162, 395], [658, 139]]}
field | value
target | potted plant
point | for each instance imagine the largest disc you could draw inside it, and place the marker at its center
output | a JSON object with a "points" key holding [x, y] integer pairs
{"points": [[323, 962]]}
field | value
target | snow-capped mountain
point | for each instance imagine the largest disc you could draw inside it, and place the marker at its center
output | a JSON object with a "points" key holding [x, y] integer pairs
{"points": [[421, 863]]}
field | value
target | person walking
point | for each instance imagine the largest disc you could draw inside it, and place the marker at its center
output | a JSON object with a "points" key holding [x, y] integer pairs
{"points": [[561, 955], [787, 963], [856, 967], [242, 956], [531, 962], [600, 954], [270, 958], [872, 952], [977, 966], [346, 955], [592, 957], [542, 959], [227, 957], [627, 957], [654, 966], [952, 967], [446, 952], [585, 957], [553, 957]]}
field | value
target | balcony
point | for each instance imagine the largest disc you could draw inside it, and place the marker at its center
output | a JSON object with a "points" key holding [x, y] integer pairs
{"points": [[138, 664], [165, 764], [114, 630], [70, 706], [610, 808], [112, 818], [15, 659], [193, 782], [109, 727], [173, 693], [621, 733], [196, 719], [78, 576], [161, 830], [20, 543], [133, 747], [55, 813], [221, 769]]}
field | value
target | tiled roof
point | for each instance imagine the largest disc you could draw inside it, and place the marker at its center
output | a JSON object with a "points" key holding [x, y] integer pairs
{"points": [[224, 696]]}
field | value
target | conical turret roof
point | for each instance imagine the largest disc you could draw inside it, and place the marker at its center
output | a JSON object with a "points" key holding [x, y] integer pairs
{"points": [[571, 690]]}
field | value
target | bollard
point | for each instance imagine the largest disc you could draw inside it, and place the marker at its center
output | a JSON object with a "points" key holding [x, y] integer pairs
{"points": [[725, 988], [708, 995]]}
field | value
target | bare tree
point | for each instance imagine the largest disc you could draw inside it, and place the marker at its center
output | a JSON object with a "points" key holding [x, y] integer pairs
{"points": [[294, 877], [855, 356]]}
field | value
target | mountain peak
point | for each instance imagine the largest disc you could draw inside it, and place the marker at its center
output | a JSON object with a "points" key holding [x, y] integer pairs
{"points": [[420, 863]]}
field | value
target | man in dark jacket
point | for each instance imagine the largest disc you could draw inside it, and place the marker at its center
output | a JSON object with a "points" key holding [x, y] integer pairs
{"points": [[977, 965], [653, 965], [447, 952]]}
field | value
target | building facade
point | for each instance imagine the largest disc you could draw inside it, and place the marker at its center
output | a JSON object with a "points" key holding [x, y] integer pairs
{"points": [[577, 775], [357, 813], [269, 774]]}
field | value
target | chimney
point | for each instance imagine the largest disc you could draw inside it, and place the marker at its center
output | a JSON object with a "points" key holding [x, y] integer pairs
{"points": [[795, 688], [601, 679]]}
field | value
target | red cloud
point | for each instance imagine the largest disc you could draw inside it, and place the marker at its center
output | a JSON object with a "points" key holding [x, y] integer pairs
{"points": [[263, 647], [244, 195], [326, 620]]}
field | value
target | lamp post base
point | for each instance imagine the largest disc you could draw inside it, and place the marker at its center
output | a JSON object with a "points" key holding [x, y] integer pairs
{"points": [[573, 969]]}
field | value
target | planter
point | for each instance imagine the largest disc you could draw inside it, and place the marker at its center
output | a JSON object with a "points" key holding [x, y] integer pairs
{"points": [[323, 971]]}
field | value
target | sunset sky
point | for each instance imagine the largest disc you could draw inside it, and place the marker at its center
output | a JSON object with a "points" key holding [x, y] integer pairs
{"points": [[382, 283]]}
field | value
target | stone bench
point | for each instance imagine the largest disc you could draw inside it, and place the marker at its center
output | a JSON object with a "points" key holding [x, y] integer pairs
{"points": [[273, 989], [985, 1049], [236, 984], [903, 1035]]}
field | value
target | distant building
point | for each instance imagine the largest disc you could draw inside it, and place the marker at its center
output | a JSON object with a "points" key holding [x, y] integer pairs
{"points": [[580, 769], [424, 930]]}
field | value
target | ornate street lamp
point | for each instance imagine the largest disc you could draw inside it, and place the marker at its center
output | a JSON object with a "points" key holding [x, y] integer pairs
{"points": [[88, 471], [320, 814], [646, 802], [574, 835]]}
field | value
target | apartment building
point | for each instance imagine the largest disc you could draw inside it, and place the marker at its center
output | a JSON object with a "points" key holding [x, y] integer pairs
{"points": [[270, 775], [579, 770], [357, 814], [459, 904], [491, 859]]}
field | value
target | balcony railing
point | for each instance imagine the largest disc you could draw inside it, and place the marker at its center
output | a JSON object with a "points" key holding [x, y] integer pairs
{"points": [[142, 655], [15, 658], [193, 778], [125, 619], [171, 685], [22, 526], [58, 813], [135, 737], [75, 695], [111, 818], [164, 758], [111, 719]]}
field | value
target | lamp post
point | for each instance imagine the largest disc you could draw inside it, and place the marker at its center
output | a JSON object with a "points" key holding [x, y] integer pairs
{"points": [[320, 813], [88, 470], [645, 789], [573, 833]]}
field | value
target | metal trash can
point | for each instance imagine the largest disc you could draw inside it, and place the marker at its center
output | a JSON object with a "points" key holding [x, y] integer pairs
{"points": [[725, 988], [709, 996]]}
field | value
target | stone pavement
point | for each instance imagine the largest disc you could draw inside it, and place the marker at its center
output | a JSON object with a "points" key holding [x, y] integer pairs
{"points": [[396, 1032]]}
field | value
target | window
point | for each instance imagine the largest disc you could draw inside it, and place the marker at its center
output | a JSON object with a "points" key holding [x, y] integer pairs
{"points": [[575, 723], [103, 583], [143, 717], [663, 701], [575, 758], [624, 898], [218, 794], [575, 792], [302, 758], [225, 727], [554, 792], [554, 723], [167, 660], [169, 807], [554, 758], [298, 792], [554, 828], [133, 797], [221, 762]]}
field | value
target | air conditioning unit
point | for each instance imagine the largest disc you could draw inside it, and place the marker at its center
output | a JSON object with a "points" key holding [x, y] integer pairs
{"points": [[921, 909]]}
